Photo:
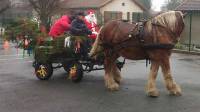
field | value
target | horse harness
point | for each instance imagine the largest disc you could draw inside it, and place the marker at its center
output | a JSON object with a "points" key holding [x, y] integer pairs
{"points": [[141, 40]]}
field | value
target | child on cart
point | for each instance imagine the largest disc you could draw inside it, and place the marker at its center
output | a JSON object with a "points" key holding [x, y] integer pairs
{"points": [[81, 31]]}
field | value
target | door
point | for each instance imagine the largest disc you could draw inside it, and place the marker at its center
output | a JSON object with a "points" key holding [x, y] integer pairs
{"points": [[112, 15]]}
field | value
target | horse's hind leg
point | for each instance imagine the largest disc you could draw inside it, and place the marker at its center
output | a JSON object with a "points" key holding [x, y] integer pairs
{"points": [[151, 84], [110, 71], [171, 85]]}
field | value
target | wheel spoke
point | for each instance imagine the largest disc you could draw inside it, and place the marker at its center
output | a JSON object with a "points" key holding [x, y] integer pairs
{"points": [[42, 71]]}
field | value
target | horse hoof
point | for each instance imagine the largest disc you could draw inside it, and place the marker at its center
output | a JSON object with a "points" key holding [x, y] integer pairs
{"points": [[153, 94], [176, 91], [113, 87], [118, 81]]}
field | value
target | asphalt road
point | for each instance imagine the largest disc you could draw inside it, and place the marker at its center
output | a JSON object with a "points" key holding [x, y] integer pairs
{"points": [[21, 91]]}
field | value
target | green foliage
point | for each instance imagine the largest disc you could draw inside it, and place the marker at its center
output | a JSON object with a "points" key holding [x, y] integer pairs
{"points": [[179, 46], [21, 27]]}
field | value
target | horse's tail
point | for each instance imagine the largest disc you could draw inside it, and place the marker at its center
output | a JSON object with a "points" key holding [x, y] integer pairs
{"points": [[96, 48]]}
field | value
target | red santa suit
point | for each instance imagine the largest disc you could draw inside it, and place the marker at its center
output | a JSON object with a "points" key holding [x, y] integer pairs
{"points": [[91, 22], [60, 26]]}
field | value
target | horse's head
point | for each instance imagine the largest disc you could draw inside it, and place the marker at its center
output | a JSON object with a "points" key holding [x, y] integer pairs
{"points": [[171, 20]]}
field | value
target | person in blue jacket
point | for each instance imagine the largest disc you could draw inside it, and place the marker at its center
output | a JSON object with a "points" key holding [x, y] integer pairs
{"points": [[78, 26]]}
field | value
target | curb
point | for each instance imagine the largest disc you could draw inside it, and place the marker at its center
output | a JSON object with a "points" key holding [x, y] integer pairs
{"points": [[185, 52]]}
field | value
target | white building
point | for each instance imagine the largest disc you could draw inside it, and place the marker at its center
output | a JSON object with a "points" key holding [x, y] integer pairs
{"points": [[108, 9]]}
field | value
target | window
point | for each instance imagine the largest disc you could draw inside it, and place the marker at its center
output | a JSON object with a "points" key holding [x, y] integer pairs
{"points": [[128, 16]]}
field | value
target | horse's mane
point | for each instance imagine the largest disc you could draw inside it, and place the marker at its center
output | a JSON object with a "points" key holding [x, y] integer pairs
{"points": [[167, 19]]}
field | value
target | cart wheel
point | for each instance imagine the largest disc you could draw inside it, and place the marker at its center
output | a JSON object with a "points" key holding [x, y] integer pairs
{"points": [[43, 71], [76, 73]]}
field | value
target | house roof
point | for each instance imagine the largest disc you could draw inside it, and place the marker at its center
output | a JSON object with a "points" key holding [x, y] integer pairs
{"points": [[84, 4], [75, 4], [189, 5]]}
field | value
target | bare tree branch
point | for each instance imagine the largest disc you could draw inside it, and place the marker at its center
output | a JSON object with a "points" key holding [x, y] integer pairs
{"points": [[172, 4], [34, 5], [45, 9], [4, 5]]}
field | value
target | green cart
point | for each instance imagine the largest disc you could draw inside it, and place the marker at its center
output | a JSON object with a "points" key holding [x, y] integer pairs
{"points": [[68, 52]]}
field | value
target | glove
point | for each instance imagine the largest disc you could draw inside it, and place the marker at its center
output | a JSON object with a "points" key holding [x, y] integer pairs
{"points": [[95, 33]]}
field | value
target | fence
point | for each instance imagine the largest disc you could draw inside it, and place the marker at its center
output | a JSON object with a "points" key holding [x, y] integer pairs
{"points": [[190, 40], [188, 47]]}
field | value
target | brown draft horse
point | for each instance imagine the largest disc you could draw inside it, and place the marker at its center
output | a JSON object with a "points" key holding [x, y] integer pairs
{"points": [[153, 41]]}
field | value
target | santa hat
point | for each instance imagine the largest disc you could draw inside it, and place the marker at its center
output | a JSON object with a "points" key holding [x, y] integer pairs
{"points": [[90, 11]]}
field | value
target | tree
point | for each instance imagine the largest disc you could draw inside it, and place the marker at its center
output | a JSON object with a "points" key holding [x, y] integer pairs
{"points": [[146, 14], [45, 10], [4, 5], [172, 4], [146, 3], [21, 27]]}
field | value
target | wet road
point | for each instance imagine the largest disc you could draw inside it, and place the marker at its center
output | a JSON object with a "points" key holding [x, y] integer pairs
{"points": [[20, 91]]}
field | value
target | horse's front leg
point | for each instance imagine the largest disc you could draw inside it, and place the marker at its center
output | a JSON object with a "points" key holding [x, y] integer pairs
{"points": [[173, 88], [151, 84], [116, 73], [110, 70]]}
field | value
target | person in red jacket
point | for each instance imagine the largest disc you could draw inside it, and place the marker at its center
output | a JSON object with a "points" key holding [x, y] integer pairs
{"points": [[61, 26]]}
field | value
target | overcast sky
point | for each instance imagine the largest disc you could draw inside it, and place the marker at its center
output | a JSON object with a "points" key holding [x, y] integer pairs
{"points": [[156, 4]]}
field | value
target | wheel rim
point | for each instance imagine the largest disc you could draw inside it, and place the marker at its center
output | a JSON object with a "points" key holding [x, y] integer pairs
{"points": [[42, 71]]}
